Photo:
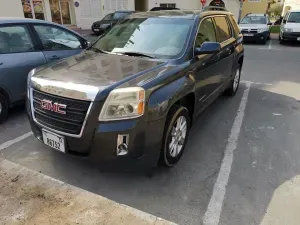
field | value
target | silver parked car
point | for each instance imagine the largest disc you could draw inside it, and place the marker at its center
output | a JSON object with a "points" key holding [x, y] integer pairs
{"points": [[26, 44]]}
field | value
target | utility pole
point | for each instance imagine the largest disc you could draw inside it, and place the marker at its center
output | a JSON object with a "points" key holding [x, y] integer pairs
{"points": [[240, 11]]}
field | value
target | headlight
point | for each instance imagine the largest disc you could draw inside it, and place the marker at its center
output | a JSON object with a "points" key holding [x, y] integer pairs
{"points": [[262, 30], [30, 74], [287, 30], [123, 103]]}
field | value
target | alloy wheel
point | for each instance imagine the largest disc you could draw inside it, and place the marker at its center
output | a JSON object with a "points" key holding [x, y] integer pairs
{"points": [[178, 135]]}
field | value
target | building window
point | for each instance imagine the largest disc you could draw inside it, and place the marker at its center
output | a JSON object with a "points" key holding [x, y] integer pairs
{"points": [[33, 9], [254, 0], [171, 6]]}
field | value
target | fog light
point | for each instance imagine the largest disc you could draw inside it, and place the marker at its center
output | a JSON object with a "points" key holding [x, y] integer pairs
{"points": [[122, 144]]}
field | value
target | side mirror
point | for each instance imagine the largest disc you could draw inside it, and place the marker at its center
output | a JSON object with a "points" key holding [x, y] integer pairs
{"points": [[87, 44], [270, 24], [208, 48], [284, 21]]}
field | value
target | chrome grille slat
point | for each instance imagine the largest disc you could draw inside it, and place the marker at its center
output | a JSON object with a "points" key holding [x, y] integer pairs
{"points": [[71, 123]]}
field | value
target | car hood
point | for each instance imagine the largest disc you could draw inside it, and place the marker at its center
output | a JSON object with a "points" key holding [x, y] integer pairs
{"points": [[253, 26], [84, 75], [294, 26]]}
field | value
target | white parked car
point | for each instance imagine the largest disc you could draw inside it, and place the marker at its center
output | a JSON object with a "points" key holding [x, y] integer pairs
{"points": [[290, 27]]}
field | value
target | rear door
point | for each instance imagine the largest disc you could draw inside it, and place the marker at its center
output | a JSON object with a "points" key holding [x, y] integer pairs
{"points": [[18, 55], [58, 43], [227, 40]]}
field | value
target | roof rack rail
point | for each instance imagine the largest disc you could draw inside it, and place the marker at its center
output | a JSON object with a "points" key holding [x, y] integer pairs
{"points": [[214, 8]]}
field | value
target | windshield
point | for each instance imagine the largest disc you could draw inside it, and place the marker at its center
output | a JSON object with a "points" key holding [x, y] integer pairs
{"points": [[294, 17], [120, 15], [254, 20], [157, 37]]}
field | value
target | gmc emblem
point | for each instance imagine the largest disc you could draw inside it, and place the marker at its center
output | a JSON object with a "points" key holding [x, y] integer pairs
{"points": [[53, 106]]}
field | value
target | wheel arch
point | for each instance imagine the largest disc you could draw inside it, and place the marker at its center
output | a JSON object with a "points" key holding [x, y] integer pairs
{"points": [[180, 91], [6, 95]]}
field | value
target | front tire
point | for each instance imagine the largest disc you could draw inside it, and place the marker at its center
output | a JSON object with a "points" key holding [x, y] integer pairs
{"points": [[3, 108], [175, 135], [235, 83]]}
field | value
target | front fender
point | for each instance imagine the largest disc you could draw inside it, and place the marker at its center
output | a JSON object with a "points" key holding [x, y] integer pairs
{"points": [[161, 100]]}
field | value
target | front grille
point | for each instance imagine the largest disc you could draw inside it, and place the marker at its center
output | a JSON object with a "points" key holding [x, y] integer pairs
{"points": [[96, 25], [294, 34], [253, 31], [71, 122]]}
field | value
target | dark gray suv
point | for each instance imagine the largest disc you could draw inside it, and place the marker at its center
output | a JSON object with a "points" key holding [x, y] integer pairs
{"points": [[133, 96]]}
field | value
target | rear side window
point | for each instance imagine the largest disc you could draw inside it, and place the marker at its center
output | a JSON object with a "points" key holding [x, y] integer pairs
{"points": [[15, 39], [234, 25], [223, 30], [206, 32]]}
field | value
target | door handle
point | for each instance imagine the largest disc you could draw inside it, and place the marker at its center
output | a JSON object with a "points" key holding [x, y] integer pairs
{"points": [[1, 63], [54, 57]]}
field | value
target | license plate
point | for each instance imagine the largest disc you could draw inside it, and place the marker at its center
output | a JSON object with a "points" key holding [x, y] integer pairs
{"points": [[298, 39], [96, 29], [53, 140], [248, 35]]}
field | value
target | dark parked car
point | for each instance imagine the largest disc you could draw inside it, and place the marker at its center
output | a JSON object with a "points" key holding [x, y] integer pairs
{"points": [[133, 98], [26, 44], [109, 21]]}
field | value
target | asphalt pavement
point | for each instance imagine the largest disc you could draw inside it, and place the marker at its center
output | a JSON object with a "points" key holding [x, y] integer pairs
{"points": [[241, 162]]}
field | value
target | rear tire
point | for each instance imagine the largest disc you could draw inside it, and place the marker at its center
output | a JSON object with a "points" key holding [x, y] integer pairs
{"points": [[235, 83], [3, 108], [281, 41], [176, 132]]}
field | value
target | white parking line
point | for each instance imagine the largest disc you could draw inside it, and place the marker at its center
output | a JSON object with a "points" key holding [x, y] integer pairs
{"points": [[14, 141], [270, 44], [213, 212]]}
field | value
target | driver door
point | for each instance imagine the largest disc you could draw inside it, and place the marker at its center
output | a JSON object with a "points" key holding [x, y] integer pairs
{"points": [[58, 43]]}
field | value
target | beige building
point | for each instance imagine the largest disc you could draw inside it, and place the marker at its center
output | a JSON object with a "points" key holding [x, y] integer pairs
{"points": [[254, 6]]}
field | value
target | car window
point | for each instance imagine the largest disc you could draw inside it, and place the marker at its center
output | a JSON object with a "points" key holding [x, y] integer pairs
{"points": [[223, 30], [54, 38], [154, 36], [254, 20], [234, 25], [294, 17], [120, 15], [206, 32], [108, 17], [15, 39]]}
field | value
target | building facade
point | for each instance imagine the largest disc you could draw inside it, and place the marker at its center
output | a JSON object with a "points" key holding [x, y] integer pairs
{"points": [[290, 5], [254, 6], [82, 13]]}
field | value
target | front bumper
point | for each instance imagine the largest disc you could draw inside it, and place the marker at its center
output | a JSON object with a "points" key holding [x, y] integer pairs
{"points": [[98, 30], [290, 36], [255, 36], [98, 142]]}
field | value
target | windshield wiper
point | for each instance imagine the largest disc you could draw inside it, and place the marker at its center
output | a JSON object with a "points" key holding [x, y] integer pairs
{"points": [[136, 54]]}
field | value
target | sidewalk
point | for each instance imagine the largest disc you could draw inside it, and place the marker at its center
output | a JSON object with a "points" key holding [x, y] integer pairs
{"points": [[28, 197]]}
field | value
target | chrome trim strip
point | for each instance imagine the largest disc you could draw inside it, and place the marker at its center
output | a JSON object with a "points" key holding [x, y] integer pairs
{"points": [[56, 131], [65, 89]]}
